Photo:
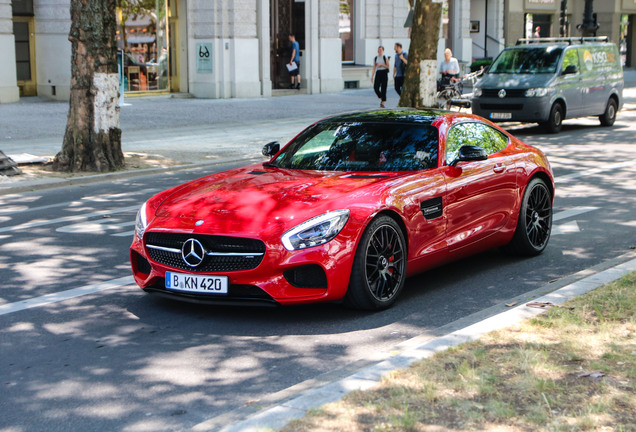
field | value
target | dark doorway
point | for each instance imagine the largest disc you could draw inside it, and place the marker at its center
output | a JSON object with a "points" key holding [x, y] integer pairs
{"points": [[543, 21], [286, 16]]}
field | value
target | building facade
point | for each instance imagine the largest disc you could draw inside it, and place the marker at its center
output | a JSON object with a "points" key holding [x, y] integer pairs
{"points": [[240, 48], [209, 48], [556, 18]]}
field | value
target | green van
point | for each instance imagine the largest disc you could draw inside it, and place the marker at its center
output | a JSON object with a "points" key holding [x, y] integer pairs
{"points": [[547, 80]]}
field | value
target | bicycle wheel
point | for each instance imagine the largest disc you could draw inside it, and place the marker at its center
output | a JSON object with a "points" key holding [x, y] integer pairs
{"points": [[445, 97]]}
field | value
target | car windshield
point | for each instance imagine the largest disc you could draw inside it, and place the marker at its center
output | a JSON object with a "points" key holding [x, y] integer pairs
{"points": [[362, 146], [527, 60]]}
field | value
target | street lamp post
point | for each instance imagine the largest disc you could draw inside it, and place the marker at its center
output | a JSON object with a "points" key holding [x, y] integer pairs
{"points": [[589, 26]]}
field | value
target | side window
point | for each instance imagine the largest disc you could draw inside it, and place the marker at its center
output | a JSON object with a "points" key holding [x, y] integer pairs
{"points": [[494, 141], [477, 134], [571, 58]]}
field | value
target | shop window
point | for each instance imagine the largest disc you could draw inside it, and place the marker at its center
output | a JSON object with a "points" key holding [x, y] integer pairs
{"points": [[22, 7], [142, 39], [346, 30]]}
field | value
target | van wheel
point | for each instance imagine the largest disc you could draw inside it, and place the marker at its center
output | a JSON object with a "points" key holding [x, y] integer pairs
{"points": [[609, 116], [555, 121]]}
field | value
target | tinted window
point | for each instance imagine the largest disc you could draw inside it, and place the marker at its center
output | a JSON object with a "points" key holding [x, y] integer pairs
{"points": [[529, 60], [571, 58], [477, 134], [363, 147]]}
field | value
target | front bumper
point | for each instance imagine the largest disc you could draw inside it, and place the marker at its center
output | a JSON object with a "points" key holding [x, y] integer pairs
{"points": [[282, 277], [522, 109]]}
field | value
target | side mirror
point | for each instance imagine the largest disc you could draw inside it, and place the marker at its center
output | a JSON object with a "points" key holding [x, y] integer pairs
{"points": [[270, 149], [571, 69], [469, 153]]}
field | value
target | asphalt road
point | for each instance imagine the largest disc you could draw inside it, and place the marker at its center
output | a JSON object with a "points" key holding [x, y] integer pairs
{"points": [[101, 355]]}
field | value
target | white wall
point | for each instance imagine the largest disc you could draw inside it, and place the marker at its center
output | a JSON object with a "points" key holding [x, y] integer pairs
{"points": [[52, 48], [9, 91]]}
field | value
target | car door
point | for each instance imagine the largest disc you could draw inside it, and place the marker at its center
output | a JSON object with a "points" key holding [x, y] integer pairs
{"points": [[480, 195], [594, 85], [569, 84]]}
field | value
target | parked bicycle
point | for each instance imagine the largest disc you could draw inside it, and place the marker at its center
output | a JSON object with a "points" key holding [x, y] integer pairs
{"points": [[450, 95]]}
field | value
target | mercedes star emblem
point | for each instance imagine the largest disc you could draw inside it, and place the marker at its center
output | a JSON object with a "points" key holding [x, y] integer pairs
{"points": [[502, 93], [192, 252]]}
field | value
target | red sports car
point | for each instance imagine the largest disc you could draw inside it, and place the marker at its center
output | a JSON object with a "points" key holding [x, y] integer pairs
{"points": [[346, 211]]}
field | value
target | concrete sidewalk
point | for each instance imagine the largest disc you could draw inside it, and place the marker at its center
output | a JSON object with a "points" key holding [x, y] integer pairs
{"points": [[196, 130]]}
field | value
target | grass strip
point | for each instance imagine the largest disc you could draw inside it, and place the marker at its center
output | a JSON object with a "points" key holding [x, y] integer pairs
{"points": [[569, 369]]}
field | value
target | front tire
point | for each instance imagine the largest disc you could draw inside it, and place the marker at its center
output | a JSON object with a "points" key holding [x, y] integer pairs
{"points": [[555, 121], [535, 220], [609, 116], [379, 266]]}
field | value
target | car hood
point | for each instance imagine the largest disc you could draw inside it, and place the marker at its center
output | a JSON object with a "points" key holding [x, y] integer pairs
{"points": [[254, 199], [514, 81]]}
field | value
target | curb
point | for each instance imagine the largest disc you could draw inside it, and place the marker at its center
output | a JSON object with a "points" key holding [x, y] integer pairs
{"points": [[297, 407]]}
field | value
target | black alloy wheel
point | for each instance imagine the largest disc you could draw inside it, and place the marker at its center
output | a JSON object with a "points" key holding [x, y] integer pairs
{"points": [[609, 116], [379, 267], [535, 220]]}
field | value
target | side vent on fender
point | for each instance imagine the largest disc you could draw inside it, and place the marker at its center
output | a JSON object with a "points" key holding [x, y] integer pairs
{"points": [[432, 208]]}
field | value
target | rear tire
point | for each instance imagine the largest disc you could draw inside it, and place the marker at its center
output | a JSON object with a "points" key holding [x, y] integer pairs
{"points": [[379, 266], [555, 121], [535, 221], [609, 116]]}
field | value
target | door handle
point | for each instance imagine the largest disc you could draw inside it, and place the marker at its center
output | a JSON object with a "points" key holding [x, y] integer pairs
{"points": [[499, 168]]}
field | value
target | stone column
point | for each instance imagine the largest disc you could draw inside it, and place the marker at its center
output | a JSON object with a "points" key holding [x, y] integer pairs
{"points": [[53, 49], [312, 48], [462, 42], [9, 91], [262, 29]]}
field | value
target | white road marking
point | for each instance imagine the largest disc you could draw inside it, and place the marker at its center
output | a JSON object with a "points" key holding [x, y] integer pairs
{"points": [[566, 228], [94, 227], [18, 208], [572, 212], [40, 223], [65, 295], [604, 167], [124, 234]]}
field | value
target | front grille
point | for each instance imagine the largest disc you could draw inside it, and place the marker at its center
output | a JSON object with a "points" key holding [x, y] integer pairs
{"points": [[509, 93], [234, 252]]}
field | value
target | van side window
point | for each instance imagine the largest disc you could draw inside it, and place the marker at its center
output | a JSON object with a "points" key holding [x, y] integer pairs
{"points": [[571, 58], [477, 134]]}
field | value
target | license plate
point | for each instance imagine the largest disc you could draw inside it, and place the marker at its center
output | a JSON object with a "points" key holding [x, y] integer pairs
{"points": [[197, 284], [500, 116]]}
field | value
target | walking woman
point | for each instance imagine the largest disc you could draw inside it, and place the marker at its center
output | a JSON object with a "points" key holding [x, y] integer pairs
{"points": [[380, 75]]}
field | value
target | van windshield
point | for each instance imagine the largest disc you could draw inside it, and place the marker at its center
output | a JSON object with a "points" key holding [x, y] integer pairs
{"points": [[527, 60]]}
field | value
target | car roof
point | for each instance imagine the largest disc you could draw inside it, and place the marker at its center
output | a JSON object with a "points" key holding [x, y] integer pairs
{"points": [[400, 115]]}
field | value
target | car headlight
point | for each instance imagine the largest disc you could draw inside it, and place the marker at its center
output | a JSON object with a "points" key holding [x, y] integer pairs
{"points": [[476, 92], [538, 92], [141, 222], [315, 231]]}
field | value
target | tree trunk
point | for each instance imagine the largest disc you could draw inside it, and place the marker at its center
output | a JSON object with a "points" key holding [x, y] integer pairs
{"points": [[420, 77], [92, 141]]}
